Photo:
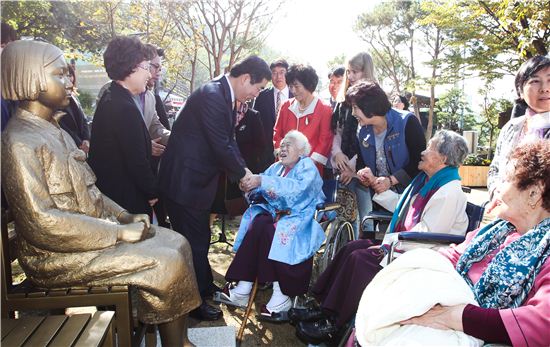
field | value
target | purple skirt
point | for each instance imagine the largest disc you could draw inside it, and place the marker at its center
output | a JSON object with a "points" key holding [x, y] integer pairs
{"points": [[340, 286], [251, 261]]}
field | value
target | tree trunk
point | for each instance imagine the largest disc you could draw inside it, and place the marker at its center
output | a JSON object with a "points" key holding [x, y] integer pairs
{"points": [[413, 77], [432, 85]]}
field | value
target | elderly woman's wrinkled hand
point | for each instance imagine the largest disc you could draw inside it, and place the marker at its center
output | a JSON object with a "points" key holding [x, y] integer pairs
{"points": [[251, 182], [381, 184], [366, 176], [440, 317]]}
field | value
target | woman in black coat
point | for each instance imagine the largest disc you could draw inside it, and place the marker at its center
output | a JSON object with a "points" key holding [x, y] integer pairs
{"points": [[120, 151]]}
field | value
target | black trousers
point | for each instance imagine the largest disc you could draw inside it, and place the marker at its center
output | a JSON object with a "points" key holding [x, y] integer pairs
{"points": [[194, 224]]}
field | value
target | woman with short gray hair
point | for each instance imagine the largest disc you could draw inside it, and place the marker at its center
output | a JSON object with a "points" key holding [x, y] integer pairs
{"points": [[452, 145], [278, 235], [433, 202], [300, 141]]}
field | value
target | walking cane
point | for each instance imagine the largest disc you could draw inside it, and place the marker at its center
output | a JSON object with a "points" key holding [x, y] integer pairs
{"points": [[247, 313]]}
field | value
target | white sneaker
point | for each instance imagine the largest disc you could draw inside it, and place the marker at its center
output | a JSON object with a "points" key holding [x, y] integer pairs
{"points": [[229, 297]]}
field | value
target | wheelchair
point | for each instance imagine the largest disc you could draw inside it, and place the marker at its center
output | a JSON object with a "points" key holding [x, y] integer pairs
{"points": [[418, 239], [335, 216]]}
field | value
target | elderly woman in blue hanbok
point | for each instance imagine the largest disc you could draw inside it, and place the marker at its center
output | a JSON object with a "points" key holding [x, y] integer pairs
{"points": [[278, 236]]}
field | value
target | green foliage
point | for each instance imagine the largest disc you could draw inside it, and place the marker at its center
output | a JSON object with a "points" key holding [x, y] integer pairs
{"points": [[489, 118], [476, 160], [494, 36], [339, 60], [384, 30], [453, 113], [62, 23], [86, 100]]}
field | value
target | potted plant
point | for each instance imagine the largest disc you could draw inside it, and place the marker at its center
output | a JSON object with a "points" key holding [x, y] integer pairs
{"points": [[474, 171]]}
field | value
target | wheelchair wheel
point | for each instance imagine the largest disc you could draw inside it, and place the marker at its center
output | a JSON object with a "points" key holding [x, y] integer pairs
{"points": [[343, 235], [339, 234]]}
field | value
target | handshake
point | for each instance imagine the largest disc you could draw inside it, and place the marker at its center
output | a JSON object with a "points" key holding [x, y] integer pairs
{"points": [[249, 181]]}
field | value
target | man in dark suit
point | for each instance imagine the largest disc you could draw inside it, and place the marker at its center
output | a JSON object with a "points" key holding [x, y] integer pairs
{"points": [[202, 145], [269, 102]]}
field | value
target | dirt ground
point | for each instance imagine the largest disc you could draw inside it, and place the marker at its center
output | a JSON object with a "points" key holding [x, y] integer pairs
{"points": [[256, 333]]}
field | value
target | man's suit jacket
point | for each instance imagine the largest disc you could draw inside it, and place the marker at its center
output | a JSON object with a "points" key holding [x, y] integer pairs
{"points": [[120, 151], [161, 112], [265, 104], [202, 144], [152, 120]]}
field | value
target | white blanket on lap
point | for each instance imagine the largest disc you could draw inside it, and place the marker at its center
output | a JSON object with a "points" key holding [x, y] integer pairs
{"points": [[409, 287]]}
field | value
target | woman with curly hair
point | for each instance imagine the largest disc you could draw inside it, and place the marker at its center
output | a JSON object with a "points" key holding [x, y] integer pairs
{"points": [[305, 113], [120, 150], [505, 264]]}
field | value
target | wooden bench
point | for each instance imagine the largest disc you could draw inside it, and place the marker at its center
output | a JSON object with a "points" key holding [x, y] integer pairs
{"points": [[82, 330], [25, 296]]}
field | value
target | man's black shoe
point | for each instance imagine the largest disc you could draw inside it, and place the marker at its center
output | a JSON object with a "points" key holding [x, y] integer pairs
{"points": [[212, 289], [206, 312], [316, 332], [305, 315]]}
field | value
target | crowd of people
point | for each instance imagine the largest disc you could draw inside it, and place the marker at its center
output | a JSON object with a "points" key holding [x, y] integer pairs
{"points": [[95, 192]]}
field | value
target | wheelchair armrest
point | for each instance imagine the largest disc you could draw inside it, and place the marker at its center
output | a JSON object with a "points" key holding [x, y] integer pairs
{"points": [[429, 237], [379, 215], [324, 207]]}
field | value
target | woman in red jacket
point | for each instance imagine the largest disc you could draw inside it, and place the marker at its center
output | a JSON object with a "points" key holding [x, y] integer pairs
{"points": [[305, 113]]}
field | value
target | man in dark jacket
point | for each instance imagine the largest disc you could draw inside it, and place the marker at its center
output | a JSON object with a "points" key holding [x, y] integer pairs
{"points": [[269, 102], [202, 145]]}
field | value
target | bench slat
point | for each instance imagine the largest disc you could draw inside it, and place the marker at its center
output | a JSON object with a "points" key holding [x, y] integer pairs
{"points": [[25, 327], [7, 326], [99, 290], [70, 330], [78, 290], [46, 331], [58, 292], [119, 289], [97, 330]]}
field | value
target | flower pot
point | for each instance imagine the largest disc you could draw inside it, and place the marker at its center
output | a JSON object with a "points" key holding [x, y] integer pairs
{"points": [[474, 176]]}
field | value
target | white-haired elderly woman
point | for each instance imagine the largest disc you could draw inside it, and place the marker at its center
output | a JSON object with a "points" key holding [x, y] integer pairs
{"points": [[433, 202], [279, 236]]}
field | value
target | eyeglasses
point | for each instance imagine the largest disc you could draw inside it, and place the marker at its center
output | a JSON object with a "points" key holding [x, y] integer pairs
{"points": [[145, 67]]}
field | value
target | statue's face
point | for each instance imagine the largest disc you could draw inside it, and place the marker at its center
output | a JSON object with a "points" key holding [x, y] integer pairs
{"points": [[58, 85]]}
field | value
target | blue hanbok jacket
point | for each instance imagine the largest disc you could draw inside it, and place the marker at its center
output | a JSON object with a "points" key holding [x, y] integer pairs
{"points": [[297, 236]]}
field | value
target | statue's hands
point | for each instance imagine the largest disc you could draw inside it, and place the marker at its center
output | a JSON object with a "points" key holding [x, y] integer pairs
{"points": [[128, 218], [133, 232]]}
